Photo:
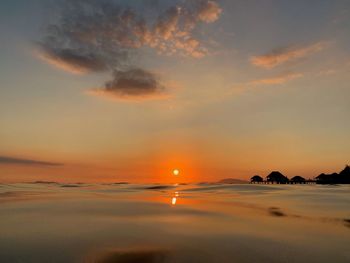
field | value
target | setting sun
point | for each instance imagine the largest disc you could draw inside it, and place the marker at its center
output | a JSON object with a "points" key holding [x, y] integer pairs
{"points": [[175, 131]]}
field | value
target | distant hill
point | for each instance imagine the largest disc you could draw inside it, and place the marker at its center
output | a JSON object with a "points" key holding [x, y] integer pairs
{"points": [[232, 181]]}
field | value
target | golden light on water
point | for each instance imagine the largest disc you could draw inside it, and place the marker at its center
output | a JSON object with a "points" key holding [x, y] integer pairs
{"points": [[174, 198]]}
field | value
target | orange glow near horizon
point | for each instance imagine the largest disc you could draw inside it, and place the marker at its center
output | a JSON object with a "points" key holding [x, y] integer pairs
{"points": [[170, 166]]}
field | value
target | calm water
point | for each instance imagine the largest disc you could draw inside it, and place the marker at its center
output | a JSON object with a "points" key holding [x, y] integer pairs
{"points": [[187, 223]]}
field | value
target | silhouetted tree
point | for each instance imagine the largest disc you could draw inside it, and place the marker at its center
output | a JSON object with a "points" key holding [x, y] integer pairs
{"points": [[277, 177], [326, 178], [344, 176], [256, 179], [335, 178], [298, 180]]}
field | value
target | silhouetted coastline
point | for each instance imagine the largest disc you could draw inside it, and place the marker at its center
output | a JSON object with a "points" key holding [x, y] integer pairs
{"points": [[277, 177]]}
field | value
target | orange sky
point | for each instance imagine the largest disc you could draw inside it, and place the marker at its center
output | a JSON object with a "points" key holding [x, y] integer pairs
{"points": [[217, 89]]}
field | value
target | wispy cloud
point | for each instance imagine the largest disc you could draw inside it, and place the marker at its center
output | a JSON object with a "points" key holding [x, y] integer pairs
{"points": [[327, 72], [99, 35], [11, 160], [280, 79], [283, 55], [276, 80]]}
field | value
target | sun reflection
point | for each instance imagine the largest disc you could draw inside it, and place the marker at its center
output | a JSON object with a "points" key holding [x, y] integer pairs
{"points": [[174, 198]]}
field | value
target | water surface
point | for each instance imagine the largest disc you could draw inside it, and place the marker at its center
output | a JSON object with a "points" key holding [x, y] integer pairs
{"points": [[167, 223]]}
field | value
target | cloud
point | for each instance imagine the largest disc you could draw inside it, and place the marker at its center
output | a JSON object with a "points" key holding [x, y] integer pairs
{"points": [[276, 80], [327, 72], [71, 61], [283, 55], [271, 81], [94, 36], [209, 12], [11, 160], [131, 84]]}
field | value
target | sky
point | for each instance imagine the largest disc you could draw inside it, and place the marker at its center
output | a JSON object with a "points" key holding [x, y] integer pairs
{"points": [[109, 91]]}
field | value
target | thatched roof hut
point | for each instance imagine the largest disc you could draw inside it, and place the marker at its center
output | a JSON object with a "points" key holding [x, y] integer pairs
{"points": [[298, 179], [256, 179], [277, 177]]}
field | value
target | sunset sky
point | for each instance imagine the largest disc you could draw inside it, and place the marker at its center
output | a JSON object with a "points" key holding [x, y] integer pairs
{"points": [[108, 91]]}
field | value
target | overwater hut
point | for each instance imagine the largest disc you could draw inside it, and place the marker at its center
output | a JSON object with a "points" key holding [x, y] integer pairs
{"points": [[277, 177], [256, 179], [298, 180]]}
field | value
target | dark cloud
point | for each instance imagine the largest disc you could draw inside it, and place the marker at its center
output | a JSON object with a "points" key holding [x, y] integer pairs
{"points": [[11, 160], [73, 61], [90, 35], [98, 35], [133, 83]]}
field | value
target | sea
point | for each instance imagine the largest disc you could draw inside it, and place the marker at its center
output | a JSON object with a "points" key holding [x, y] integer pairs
{"points": [[147, 223]]}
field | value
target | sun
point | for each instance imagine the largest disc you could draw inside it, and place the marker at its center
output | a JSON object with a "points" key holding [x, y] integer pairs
{"points": [[176, 172]]}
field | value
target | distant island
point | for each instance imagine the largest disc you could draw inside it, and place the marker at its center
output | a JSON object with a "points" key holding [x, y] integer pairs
{"points": [[276, 177]]}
